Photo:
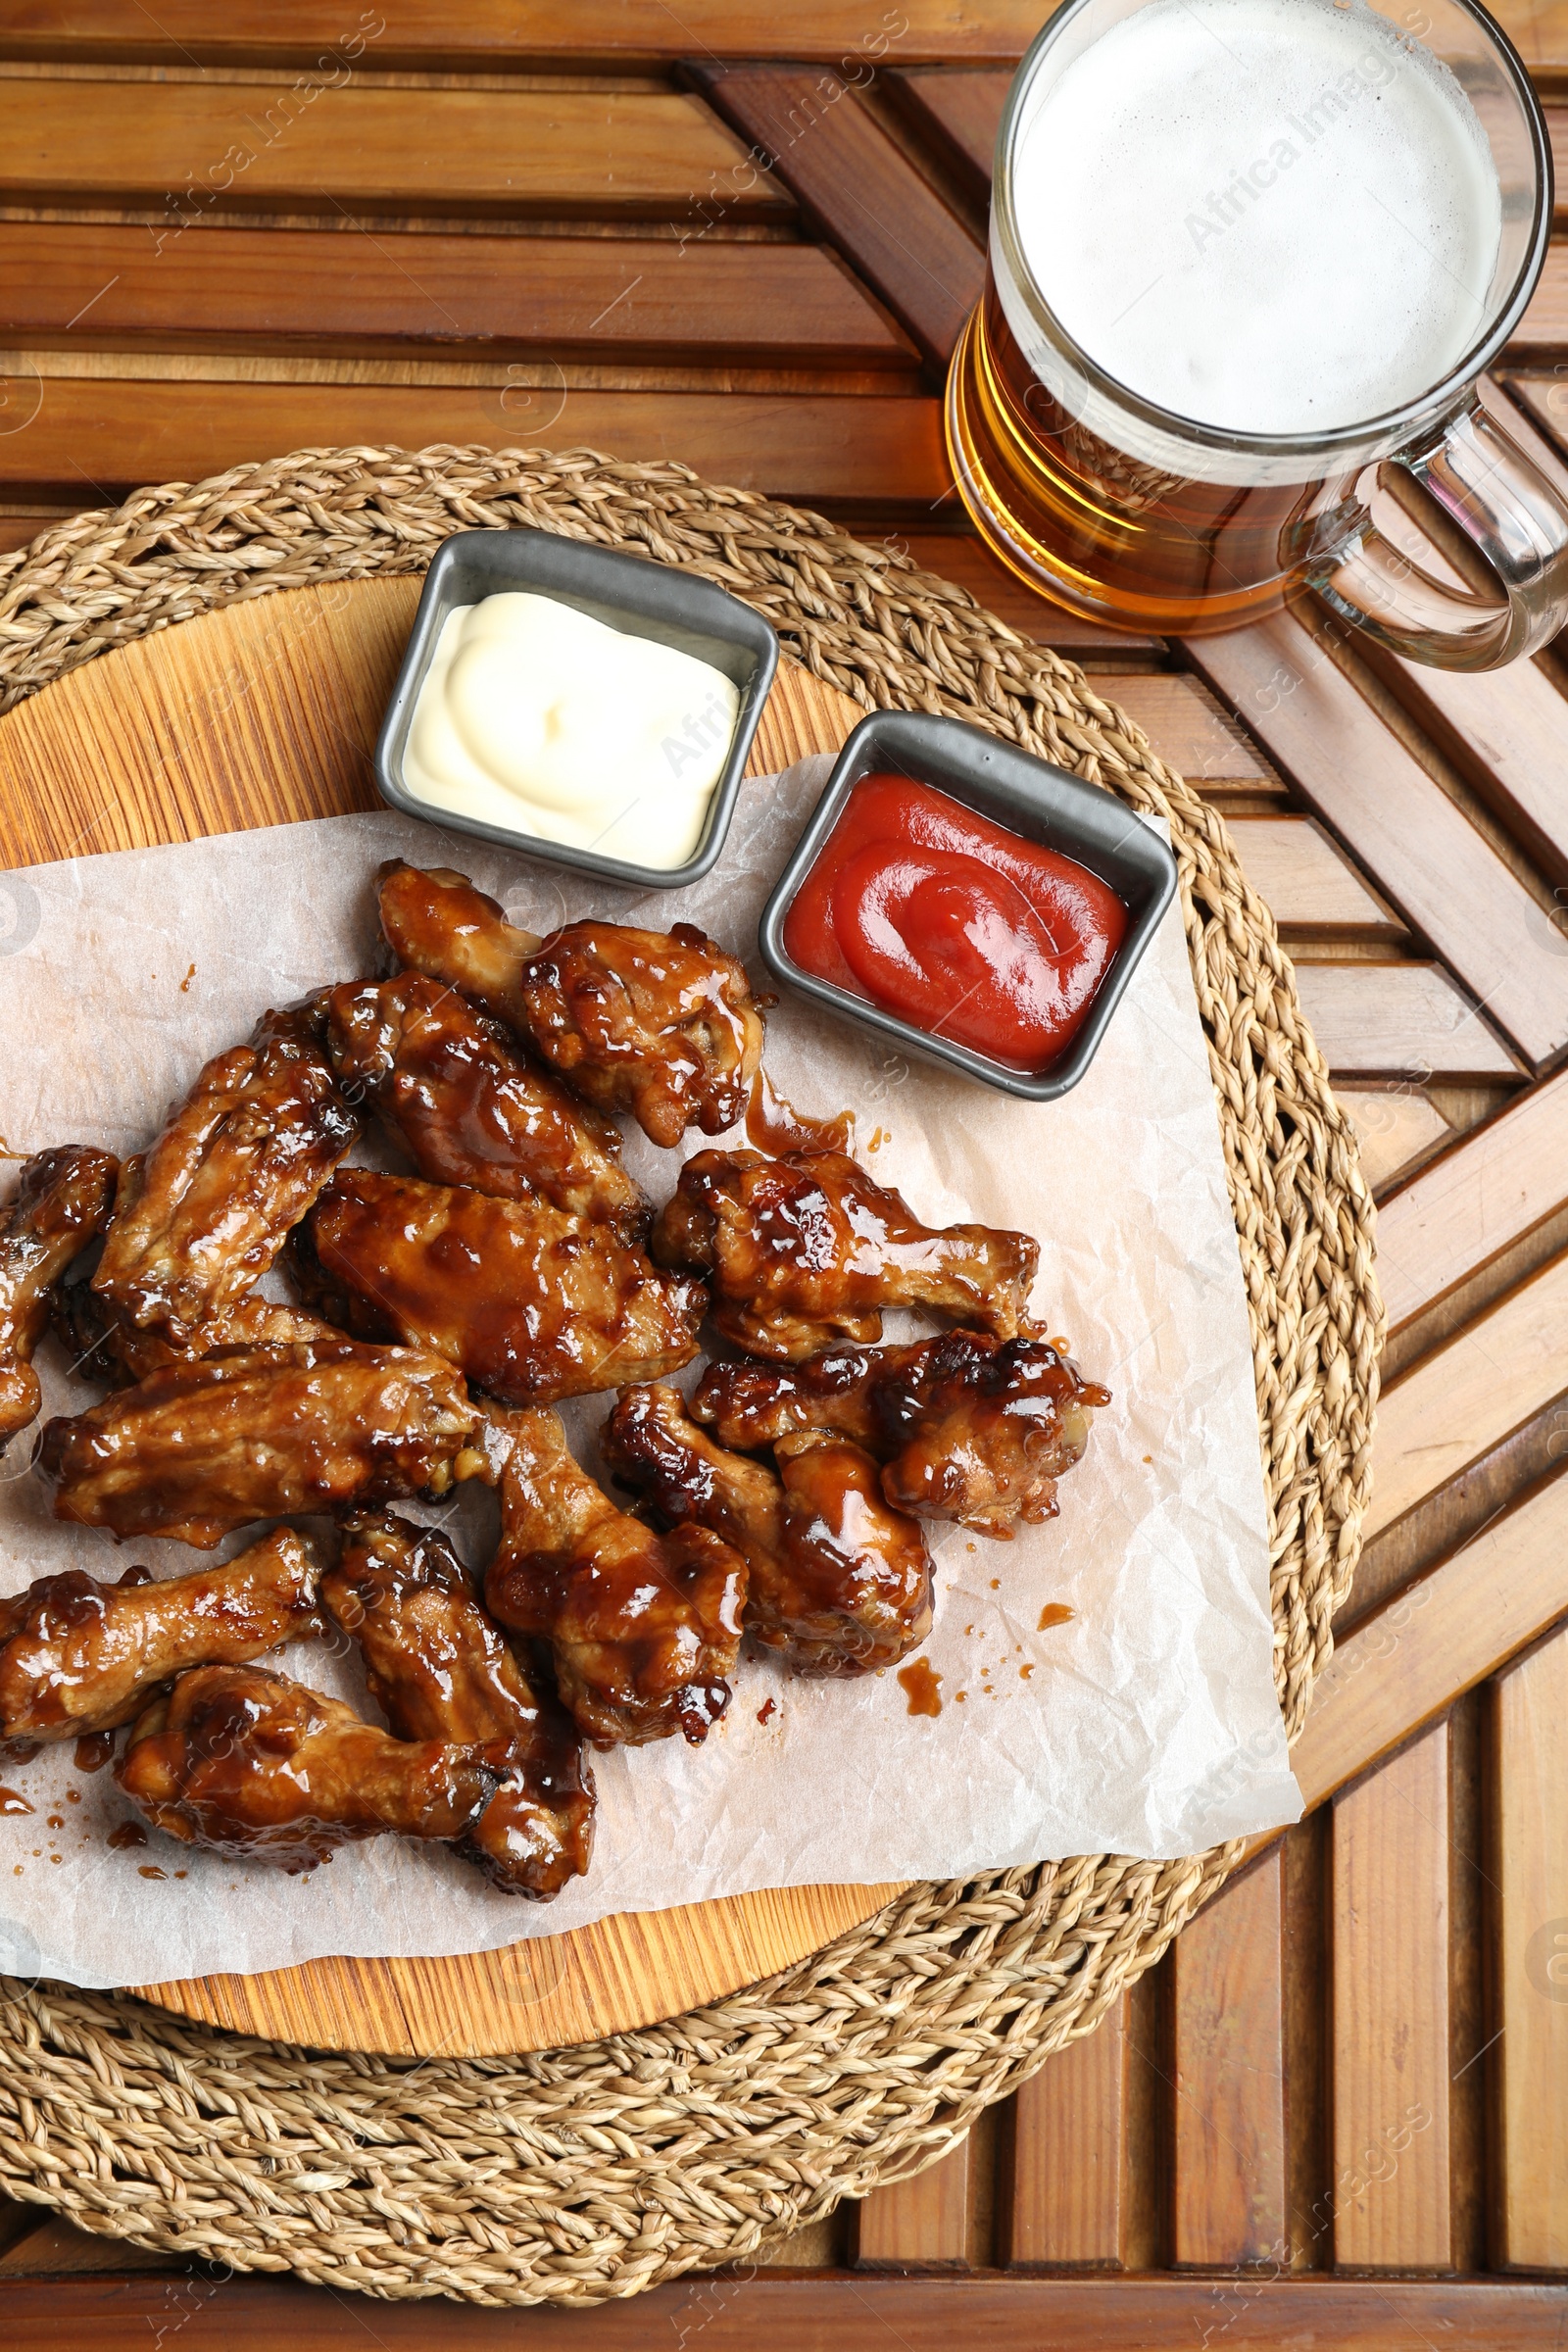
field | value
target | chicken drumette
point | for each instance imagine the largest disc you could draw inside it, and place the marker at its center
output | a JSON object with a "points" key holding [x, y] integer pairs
{"points": [[201, 1449], [77, 1657], [968, 1427], [466, 1106], [533, 1305], [201, 1217], [644, 1628], [60, 1203], [266, 1769], [807, 1248], [659, 1023], [836, 1581], [439, 1669]]}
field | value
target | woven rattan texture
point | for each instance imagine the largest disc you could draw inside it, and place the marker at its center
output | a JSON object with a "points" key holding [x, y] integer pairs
{"points": [[601, 2170]]}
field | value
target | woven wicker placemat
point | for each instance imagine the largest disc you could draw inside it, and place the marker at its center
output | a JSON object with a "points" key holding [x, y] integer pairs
{"points": [[598, 2170]]}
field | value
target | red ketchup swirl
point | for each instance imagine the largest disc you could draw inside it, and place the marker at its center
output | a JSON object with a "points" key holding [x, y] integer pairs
{"points": [[956, 925]]}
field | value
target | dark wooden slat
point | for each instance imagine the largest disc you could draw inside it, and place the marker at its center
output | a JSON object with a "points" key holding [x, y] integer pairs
{"points": [[320, 290], [107, 434], [860, 190], [819, 2311], [1426, 857], [1064, 2192], [1230, 2186], [959, 112], [921, 2223]]}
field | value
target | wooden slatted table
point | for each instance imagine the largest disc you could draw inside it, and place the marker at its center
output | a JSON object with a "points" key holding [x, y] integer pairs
{"points": [[1338, 2112]]}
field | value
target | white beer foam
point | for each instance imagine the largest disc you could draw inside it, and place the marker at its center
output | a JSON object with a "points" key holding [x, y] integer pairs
{"points": [[1271, 216]]}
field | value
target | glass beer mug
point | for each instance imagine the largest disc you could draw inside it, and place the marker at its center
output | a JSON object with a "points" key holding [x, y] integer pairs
{"points": [[1076, 423]]}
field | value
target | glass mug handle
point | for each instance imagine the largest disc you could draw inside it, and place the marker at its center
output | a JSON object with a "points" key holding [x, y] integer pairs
{"points": [[1483, 482]]}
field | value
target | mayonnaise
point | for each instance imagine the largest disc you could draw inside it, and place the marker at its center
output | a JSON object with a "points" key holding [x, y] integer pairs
{"points": [[534, 717]]}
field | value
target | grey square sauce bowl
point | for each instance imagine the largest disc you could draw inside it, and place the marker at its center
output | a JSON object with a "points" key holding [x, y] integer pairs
{"points": [[1030, 796], [630, 594]]}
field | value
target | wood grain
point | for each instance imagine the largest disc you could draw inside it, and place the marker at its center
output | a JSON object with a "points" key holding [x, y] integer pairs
{"points": [[1506, 732], [859, 189], [478, 296], [1230, 2200], [1394, 1125], [184, 147], [1390, 2015], [1440, 873], [1305, 879], [1530, 1774], [921, 2223], [961, 113], [1391, 1020], [1063, 2195]]}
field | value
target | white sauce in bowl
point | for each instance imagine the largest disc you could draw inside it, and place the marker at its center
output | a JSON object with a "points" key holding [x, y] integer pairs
{"points": [[536, 719]]}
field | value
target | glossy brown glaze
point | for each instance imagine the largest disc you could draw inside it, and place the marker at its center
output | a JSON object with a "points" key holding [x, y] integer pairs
{"points": [[774, 1125], [531, 1305], [439, 1669], [438, 922], [466, 1106], [644, 1628], [200, 1449], [238, 1163], [922, 1688], [262, 1768], [836, 1581], [105, 1345], [61, 1201], [78, 1656], [968, 1427], [807, 1248]]}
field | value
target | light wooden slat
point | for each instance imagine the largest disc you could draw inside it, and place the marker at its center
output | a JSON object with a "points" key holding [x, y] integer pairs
{"points": [[1426, 857], [1545, 398], [1471, 1204], [1538, 30], [1436, 1639], [1392, 1125], [1063, 2190], [1530, 1731], [1390, 2015], [629, 153], [861, 190], [1187, 727], [1305, 880], [919, 2224], [107, 434], [325, 290], [1398, 1019], [1507, 732], [1544, 323], [1464, 1398], [1230, 2204]]}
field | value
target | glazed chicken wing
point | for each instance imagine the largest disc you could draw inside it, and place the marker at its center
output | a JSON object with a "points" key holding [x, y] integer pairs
{"points": [[201, 1449], [79, 1656], [238, 1163], [60, 1203], [531, 1305], [106, 1346], [659, 1023], [644, 1628], [262, 1768], [968, 1427], [439, 1669], [807, 1248], [836, 1581], [466, 1106]]}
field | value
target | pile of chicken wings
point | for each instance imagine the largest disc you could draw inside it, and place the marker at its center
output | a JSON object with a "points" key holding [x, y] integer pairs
{"points": [[437, 1317]]}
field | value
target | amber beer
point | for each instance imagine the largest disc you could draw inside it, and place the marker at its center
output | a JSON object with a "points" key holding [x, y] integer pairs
{"points": [[1238, 254]]}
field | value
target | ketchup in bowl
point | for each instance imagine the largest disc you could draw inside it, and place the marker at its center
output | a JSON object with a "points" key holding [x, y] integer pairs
{"points": [[952, 923]]}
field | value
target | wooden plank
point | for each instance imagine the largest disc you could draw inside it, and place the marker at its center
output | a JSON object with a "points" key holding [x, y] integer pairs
{"points": [[921, 2223], [1063, 2192], [183, 147], [1390, 2058], [1474, 1203], [1392, 1126], [1305, 880], [1529, 1757], [1506, 731], [1444, 877], [1446, 1632], [1462, 1400], [111, 434], [961, 113], [1544, 323], [1538, 30], [1546, 399], [1398, 1019], [513, 36], [824, 2313], [1230, 2202], [860, 190], [1187, 728], [962, 557], [321, 291]]}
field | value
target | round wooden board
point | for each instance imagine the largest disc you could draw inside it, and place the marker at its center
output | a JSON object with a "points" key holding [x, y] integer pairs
{"points": [[264, 713]]}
